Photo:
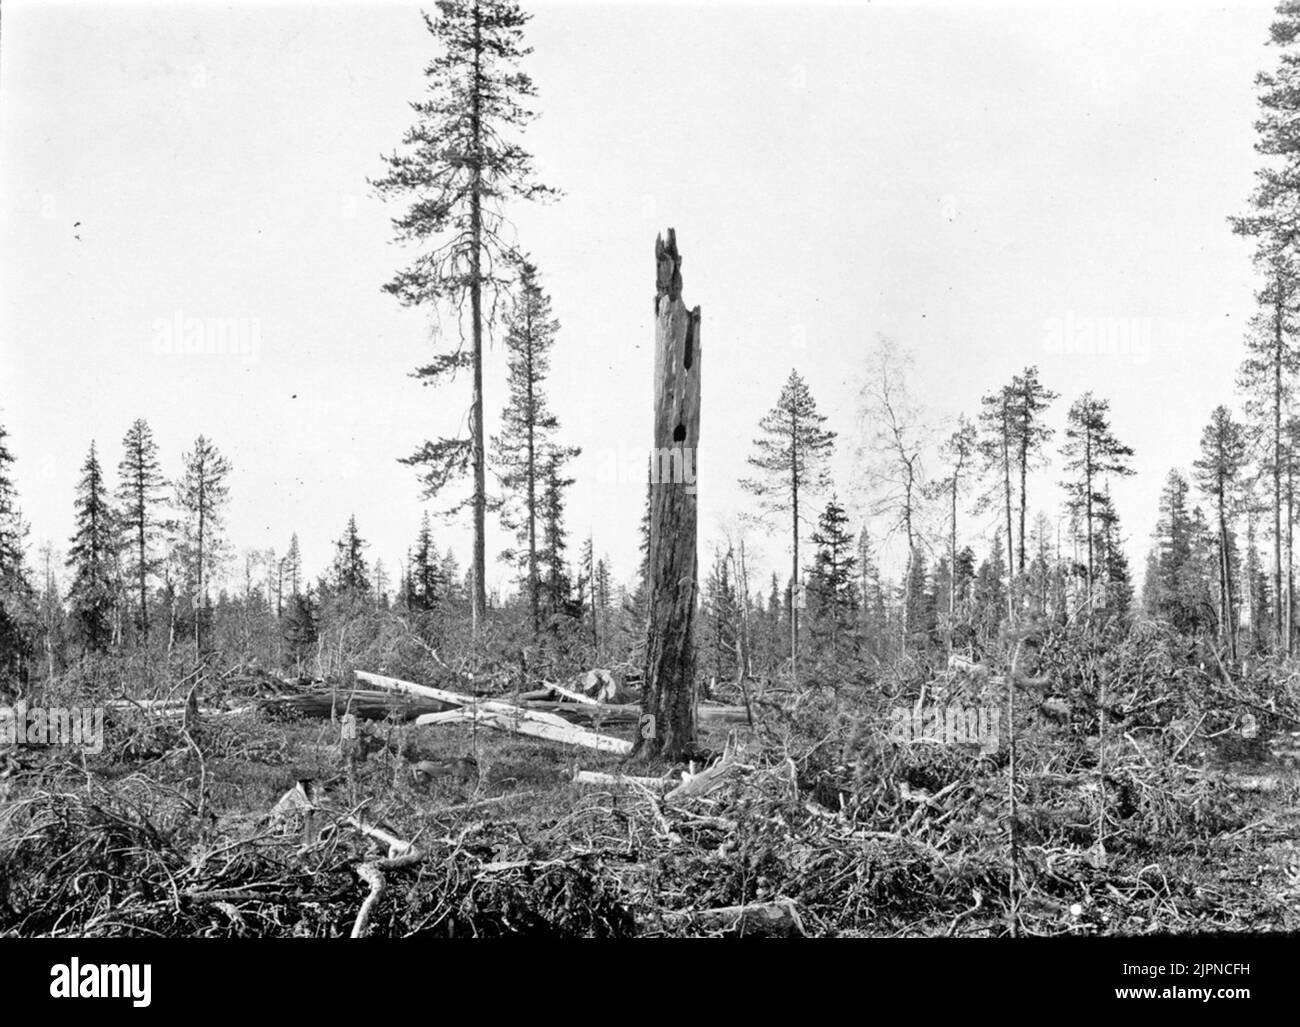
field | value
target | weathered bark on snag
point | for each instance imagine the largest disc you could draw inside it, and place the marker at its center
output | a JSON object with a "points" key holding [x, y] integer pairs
{"points": [[670, 649]]}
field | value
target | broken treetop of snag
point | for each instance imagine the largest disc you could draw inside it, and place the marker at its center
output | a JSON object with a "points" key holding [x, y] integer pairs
{"points": [[669, 265]]}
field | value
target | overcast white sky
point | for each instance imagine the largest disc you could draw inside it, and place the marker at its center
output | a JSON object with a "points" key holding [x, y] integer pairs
{"points": [[955, 178]]}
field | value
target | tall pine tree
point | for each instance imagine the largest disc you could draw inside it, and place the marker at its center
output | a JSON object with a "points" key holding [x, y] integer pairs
{"points": [[202, 494], [140, 491], [1223, 456], [791, 451], [461, 162], [1093, 456], [1030, 434]]}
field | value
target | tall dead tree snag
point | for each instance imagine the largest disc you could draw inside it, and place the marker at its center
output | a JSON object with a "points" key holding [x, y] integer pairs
{"points": [[667, 727]]}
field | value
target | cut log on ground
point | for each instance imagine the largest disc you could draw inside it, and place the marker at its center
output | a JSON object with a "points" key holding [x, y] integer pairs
{"points": [[161, 708], [599, 779], [467, 703], [441, 694], [502, 716], [563, 732], [565, 693], [367, 704], [707, 714], [587, 714]]}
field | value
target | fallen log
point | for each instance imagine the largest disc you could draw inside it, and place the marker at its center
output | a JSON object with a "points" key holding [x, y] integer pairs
{"points": [[456, 716], [368, 704], [717, 713], [440, 694], [163, 708], [590, 714], [466, 715], [562, 731], [712, 714], [502, 716], [597, 778], [564, 693], [495, 707]]}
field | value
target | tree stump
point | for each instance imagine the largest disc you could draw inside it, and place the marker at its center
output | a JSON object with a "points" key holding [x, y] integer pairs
{"points": [[667, 727]]}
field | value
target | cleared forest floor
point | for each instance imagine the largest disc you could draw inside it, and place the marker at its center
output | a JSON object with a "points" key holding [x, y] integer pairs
{"points": [[822, 826]]}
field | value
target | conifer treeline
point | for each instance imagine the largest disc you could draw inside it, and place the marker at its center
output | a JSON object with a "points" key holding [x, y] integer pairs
{"points": [[146, 551]]}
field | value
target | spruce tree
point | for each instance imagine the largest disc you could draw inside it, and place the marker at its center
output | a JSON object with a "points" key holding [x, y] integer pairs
{"points": [[602, 589], [293, 567], [1175, 589], [963, 579], [424, 576], [299, 628], [453, 589], [777, 637], [918, 602], [718, 638], [989, 592], [16, 596], [832, 580], [92, 593], [1112, 560], [349, 573], [13, 532], [525, 447], [556, 586]]}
